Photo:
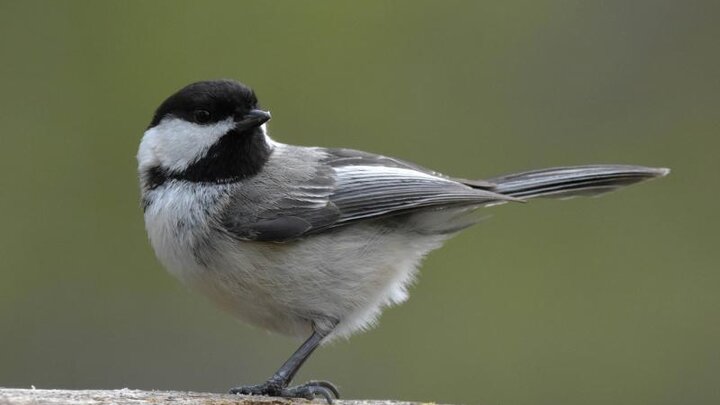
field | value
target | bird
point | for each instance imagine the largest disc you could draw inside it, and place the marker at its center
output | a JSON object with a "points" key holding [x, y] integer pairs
{"points": [[310, 242]]}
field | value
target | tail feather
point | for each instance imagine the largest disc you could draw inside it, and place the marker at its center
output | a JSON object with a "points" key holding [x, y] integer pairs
{"points": [[571, 181]]}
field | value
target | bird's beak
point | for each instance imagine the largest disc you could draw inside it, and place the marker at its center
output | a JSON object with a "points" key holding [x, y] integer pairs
{"points": [[253, 119]]}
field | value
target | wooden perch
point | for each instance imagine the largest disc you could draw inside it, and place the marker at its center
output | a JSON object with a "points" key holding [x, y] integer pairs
{"points": [[14, 396]]}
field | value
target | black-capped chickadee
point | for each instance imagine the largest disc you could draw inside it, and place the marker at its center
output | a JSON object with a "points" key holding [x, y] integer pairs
{"points": [[307, 241]]}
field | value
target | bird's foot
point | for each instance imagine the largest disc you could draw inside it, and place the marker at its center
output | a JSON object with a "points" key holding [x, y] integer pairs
{"points": [[313, 389], [310, 390]]}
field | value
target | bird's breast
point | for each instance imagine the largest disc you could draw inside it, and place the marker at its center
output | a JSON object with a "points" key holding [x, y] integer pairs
{"points": [[180, 225]]}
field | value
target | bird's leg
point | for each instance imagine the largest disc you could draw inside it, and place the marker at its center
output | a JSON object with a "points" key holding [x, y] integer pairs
{"points": [[277, 385]]}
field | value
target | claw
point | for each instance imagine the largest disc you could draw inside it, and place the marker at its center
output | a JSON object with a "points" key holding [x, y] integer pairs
{"points": [[327, 385], [312, 390], [323, 392], [309, 390]]}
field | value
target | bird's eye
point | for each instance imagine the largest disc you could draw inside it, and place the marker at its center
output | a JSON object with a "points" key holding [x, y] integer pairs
{"points": [[201, 116]]}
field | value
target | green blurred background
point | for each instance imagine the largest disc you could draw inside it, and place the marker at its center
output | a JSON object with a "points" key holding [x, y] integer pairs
{"points": [[592, 301]]}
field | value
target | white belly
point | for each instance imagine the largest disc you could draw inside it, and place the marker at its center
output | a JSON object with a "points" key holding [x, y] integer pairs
{"points": [[347, 275]]}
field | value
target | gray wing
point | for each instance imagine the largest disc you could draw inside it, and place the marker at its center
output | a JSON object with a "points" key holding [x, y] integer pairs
{"points": [[338, 157], [364, 192], [349, 186]]}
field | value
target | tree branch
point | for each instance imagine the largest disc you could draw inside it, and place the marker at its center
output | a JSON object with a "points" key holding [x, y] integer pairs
{"points": [[14, 396]]}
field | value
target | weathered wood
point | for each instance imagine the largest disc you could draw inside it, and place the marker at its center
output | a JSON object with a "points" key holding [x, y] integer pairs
{"points": [[14, 396]]}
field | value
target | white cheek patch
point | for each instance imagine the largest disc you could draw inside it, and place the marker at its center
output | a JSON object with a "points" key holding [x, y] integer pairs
{"points": [[175, 143]]}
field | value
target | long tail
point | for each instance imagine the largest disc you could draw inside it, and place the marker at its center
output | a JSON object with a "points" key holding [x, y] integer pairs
{"points": [[571, 181]]}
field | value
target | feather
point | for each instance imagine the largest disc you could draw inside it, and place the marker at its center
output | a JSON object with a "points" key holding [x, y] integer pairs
{"points": [[332, 188], [571, 181]]}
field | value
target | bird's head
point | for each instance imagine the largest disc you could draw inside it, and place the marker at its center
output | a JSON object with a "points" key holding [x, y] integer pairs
{"points": [[209, 131]]}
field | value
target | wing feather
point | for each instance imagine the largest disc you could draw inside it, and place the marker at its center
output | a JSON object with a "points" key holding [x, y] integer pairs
{"points": [[363, 192], [349, 186]]}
